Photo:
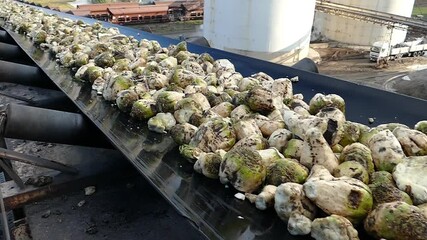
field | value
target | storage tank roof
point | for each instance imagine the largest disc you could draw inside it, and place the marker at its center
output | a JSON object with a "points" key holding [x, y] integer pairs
{"points": [[80, 12], [176, 4], [138, 10], [164, 2], [104, 6]]}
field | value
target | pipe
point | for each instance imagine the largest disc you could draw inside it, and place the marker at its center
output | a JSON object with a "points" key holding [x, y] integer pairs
{"points": [[306, 64], [24, 75], [12, 53], [38, 124], [59, 102], [4, 37]]}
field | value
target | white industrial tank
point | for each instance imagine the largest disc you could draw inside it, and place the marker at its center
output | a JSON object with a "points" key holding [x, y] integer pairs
{"points": [[358, 32], [273, 30]]}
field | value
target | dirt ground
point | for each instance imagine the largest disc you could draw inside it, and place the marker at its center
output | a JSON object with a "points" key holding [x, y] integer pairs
{"points": [[407, 76]]}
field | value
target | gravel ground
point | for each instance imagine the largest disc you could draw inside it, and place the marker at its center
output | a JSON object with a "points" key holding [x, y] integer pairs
{"points": [[132, 210], [392, 78]]}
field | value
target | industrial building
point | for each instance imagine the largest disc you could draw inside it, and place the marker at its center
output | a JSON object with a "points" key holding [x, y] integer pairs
{"points": [[135, 13], [348, 30], [280, 31], [100, 11], [274, 30]]}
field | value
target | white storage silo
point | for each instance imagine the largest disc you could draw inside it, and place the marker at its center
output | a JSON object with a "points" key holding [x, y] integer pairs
{"points": [[273, 30], [358, 32]]}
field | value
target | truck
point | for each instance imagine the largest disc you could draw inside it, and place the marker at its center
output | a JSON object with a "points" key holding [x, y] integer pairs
{"points": [[386, 51]]}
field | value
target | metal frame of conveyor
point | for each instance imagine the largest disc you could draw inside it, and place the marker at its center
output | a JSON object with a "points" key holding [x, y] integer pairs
{"points": [[47, 120]]}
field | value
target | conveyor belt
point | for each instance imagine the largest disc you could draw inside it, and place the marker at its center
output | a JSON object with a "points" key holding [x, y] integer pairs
{"points": [[207, 203], [368, 15]]}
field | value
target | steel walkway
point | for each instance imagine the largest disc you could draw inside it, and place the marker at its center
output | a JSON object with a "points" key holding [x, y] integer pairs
{"points": [[372, 16]]}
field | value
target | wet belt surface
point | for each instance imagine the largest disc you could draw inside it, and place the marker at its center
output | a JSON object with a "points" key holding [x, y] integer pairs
{"points": [[207, 203]]}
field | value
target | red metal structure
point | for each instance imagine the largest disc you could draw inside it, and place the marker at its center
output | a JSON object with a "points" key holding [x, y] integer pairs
{"points": [[135, 15], [100, 11], [81, 12], [184, 10]]}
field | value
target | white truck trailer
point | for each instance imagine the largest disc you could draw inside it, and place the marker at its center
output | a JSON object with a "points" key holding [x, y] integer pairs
{"points": [[384, 51]]}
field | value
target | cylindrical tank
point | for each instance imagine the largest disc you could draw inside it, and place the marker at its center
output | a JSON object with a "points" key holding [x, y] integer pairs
{"points": [[273, 30], [358, 32]]}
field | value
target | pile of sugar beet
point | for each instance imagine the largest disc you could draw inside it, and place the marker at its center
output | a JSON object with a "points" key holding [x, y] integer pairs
{"points": [[322, 174]]}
